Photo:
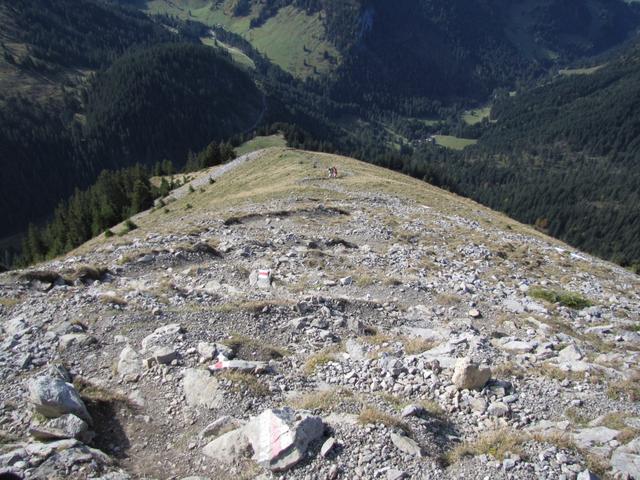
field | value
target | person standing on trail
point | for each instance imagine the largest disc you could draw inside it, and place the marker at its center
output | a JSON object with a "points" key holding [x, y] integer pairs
{"points": [[335, 172]]}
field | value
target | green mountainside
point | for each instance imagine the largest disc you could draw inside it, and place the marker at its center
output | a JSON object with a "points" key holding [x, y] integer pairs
{"points": [[565, 156], [159, 101], [411, 56]]}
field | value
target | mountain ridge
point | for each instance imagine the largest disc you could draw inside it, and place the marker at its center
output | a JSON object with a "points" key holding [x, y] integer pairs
{"points": [[329, 306]]}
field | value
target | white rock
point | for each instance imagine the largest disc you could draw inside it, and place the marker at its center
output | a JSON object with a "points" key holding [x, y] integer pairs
{"points": [[468, 375], [626, 459], [129, 363], [280, 440], [588, 437], [569, 354], [406, 445], [161, 336], [201, 389], [327, 447], [229, 447], [240, 365]]}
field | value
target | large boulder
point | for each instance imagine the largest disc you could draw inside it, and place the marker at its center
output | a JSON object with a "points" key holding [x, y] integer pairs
{"points": [[201, 389], [229, 447], [626, 459], [53, 397], [280, 437], [66, 426], [468, 375], [162, 337], [129, 363]]}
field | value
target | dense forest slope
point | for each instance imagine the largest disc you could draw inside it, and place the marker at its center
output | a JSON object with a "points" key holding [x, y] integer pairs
{"points": [[566, 156], [156, 102], [159, 103], [413, 55]]}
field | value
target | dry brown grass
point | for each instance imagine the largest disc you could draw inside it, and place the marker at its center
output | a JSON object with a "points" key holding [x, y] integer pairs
{"points": [[98, 394], [243, 382], [375, 416], [251, 306], [629, 388], [321, 358], [448, 299], [497, 444], [364, 280], [507, 370], [417, 345], [577, 417], [113, 300], [432, 407], [377, 339], [252, 348], [564, 441], [616, 421], [9, 302], [332, 400]]}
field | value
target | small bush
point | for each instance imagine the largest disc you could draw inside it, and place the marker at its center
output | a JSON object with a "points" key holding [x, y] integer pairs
{"points": [[128, 227], [568, 299], [108, 233]]}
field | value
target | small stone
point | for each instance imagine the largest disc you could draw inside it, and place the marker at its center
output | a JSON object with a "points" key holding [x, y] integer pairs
{"points": [[327, 447], [406, 445]]}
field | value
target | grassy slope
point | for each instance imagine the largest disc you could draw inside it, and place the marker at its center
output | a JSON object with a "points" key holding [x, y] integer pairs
{"points": [[289, 39], [237, 55], [259, 143], [299, 176]]}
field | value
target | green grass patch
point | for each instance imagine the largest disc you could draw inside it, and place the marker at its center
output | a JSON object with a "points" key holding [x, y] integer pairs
{"points": [[454, 143], [567, 299], [292, 39], [472, 117]]}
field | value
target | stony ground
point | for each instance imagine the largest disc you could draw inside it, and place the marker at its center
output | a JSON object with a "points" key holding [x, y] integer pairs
{"points": [[359, 318]]}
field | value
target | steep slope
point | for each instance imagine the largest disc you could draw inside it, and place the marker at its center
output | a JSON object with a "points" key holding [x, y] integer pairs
{"points": [[566, 156], [410, 55], [155, 104], [373, 286]]}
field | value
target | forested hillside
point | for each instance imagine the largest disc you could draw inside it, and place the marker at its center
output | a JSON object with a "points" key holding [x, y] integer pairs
{"points": [[159, 101], [415, 55], [565, 156], [162, 102]]}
